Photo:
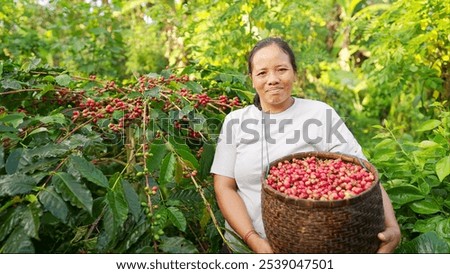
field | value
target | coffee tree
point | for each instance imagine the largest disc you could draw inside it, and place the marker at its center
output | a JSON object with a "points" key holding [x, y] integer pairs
{"points": [[92, 166]]}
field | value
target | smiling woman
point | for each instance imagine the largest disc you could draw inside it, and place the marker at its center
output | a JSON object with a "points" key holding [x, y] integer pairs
{"points": [[254, 136], [273, 76], [272, 68]]}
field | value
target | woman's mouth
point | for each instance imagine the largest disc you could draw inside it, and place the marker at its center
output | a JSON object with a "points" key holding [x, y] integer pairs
{"points": [[274, 90]]}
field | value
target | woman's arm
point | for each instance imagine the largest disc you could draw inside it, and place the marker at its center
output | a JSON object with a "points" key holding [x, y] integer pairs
{"points": [[391, 235], [234, 211]]}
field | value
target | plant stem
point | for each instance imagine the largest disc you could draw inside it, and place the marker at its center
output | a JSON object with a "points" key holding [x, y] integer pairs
{"points": [[144, 144], [95, 224], [74, 130], [54, 171], [129, 146], [208, 208], [11, 202], [111, 160], [19, 91]]}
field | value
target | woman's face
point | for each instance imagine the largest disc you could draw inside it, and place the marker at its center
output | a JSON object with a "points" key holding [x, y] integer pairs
{"points": [[273, 77]]}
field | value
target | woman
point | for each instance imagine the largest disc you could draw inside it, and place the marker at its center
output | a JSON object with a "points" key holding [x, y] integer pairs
{"points": [[275, 126]]}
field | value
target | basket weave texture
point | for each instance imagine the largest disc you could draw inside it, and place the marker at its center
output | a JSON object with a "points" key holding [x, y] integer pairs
{"points": [[302, 226]]}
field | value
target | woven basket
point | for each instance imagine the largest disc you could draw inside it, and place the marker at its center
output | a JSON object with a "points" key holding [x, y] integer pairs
{"points": [[296, 225]]}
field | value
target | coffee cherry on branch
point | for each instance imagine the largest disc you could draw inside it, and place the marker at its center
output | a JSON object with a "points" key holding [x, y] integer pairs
{"points": [[203, 99], [122, 110]]}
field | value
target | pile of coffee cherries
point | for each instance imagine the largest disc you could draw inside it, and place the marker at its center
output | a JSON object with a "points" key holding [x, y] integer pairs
{"points": [[319, 179]]}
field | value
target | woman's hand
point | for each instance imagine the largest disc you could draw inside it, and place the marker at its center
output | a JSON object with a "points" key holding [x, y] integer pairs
{"points": [[259, 245], [389, 238], [391, 235]]}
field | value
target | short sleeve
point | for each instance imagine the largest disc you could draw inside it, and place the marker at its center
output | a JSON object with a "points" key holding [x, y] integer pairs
{"points": [[339, 138], [225, 155]]}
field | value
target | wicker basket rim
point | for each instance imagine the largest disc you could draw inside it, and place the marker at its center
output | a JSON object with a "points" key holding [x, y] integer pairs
{"points": [[318, 203]]}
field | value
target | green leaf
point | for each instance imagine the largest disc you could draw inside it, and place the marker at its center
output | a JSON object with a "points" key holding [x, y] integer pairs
{"points": [[378, 126], [194, 87], [134, 95], [80, 233], [405, 194], [89, 171], [429, 125], [118, 114], [177, 144], [161, 214], [72, 191], [198, 122], [185, 111], [38, 130], [14, 119], [9, 221], [443, 228], [382, 135], [179, 176], [178, 245], [2, 157], [49, 150], [245, 95], [45, 90], [428, 144], [79, 140], [158, 151], [15, 184], [177, 218], [225, 77], [11, 84], [12, 163], [166, 174], [428, 224], [4, 128], [152, 93], [53, 202], [30, 220], [63, 80], [31, 64], [428, 243], [53, 119], [132, 199], [385, 143], [132, 237], [48, 79], [443, 168], [206, 160], [426, 206], [116, 211], [18, 243], [188, 158]]}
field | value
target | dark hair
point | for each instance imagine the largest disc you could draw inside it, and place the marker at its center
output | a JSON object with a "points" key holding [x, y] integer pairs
{"points": [[283, 45]]}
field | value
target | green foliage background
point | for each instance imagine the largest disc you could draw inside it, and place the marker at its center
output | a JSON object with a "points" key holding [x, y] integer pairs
{"points": [[69, 186]]}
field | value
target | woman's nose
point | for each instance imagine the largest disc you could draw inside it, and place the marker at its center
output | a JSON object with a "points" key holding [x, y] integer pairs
{"points": [[273, 79]]}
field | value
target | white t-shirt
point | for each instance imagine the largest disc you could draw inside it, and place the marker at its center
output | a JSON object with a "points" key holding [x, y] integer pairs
{"points": [[243, 153]]}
